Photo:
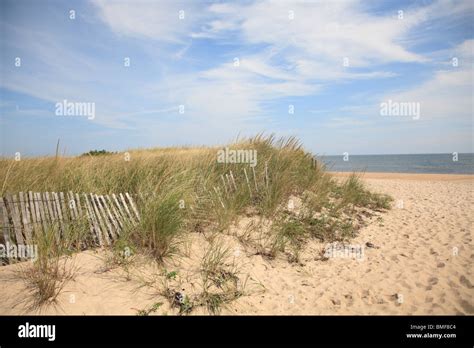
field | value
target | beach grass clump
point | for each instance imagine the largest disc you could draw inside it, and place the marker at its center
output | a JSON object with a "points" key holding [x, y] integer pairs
{"points": [[286, 235], [354, 192], [161, 224], [121, 254], [152, 309], [220, 282], [46, 276]]}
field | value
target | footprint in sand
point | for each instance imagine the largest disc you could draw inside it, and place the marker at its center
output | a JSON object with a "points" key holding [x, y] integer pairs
{"points": [[467, 307], [365, 294], [350, 300], [418, 285], [464, 281]]}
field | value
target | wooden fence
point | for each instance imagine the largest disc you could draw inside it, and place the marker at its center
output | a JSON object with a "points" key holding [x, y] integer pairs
{"points": [[26, 214]]}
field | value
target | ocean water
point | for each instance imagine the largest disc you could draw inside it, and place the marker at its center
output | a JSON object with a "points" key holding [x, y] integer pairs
{"points": [[419, 163]]}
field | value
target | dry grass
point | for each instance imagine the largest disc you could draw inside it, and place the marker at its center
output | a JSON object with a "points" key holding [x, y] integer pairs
{"points": [[46, 276], [220, 278]]}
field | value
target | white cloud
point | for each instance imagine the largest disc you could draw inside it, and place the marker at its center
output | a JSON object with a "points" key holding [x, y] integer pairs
{"points": [[318, 30], [296, 55], [449, 93], [156, 20]]}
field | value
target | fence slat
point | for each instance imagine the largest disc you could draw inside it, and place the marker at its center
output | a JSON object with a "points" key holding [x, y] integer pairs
{"points": [[64, 207], [5, 221], [133, 206], [49, 207], [114, 226], [57, 204], [57, 209], [72, 205], [31, 212], [103, 216], [34, 201], [34, 220], [92, 221], [25, 218], [115, 213], [15, 214], [42, 212], [103, 227], [123, 215], [79, 206], [124, 203]]}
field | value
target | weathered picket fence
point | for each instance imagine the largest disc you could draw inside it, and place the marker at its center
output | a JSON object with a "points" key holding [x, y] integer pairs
{"points": [[24, 214]]}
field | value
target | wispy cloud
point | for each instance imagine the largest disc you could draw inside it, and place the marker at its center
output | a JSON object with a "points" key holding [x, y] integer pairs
{"points": [[162, 21], [448, 94]]}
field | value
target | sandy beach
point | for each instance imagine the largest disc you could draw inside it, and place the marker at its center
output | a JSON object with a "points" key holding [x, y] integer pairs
{"points": [[417, 259]]}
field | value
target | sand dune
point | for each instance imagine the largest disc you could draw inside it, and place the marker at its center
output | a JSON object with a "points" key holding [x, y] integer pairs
{"points": [[419, 262]]}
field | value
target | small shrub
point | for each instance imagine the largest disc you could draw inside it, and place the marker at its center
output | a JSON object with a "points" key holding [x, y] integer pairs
{"points": [[97, 153]]}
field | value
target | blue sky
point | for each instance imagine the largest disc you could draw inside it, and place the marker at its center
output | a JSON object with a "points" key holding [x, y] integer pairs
{"points": [[289, 53]]}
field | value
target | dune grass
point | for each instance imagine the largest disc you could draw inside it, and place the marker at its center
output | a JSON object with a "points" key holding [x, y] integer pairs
{"points": [[185, 190], [48, 273]]}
